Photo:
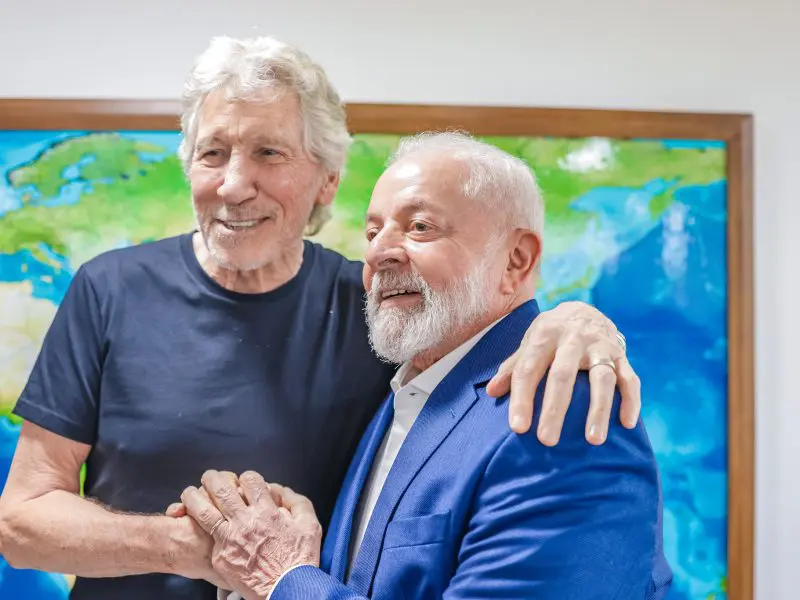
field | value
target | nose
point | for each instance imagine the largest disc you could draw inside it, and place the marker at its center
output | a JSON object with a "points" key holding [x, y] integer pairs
{"points": [[239, 181], [386, 250]]}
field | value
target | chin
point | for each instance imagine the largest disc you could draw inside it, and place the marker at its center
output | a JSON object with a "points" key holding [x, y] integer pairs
{"points": [[237, 260]]}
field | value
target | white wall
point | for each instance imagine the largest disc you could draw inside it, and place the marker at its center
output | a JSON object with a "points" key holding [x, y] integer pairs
{"points": [[715, 55]]}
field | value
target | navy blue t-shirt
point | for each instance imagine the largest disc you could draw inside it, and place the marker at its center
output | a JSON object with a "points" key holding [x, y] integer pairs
{"points": [[167, 374]]}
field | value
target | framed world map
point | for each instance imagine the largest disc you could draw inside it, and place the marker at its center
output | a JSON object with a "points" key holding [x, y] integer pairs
{"points": [[648, 217]]}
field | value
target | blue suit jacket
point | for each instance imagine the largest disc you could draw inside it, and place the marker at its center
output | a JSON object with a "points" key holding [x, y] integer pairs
{"points": [[472, 510]]}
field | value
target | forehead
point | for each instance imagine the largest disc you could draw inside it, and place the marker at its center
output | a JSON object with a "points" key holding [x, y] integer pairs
{"points": [[436, 182], [221, 116]]}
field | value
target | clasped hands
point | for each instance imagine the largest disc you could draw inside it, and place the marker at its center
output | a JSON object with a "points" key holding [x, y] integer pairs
{"points": [[257, 531]]}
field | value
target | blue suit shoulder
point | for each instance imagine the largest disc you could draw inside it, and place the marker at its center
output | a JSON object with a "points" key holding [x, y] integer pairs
{"points": [[573, 520]]}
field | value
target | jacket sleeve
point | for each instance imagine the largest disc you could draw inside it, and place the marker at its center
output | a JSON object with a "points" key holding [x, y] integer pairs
{"points": [[572, 522], [307, 582]]}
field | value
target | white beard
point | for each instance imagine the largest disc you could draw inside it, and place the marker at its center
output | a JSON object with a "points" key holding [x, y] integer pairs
{"points": [[399, 334]]}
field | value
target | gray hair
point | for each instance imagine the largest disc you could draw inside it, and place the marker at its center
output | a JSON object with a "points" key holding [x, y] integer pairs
{"points": [[505, 184], [246, 70]]}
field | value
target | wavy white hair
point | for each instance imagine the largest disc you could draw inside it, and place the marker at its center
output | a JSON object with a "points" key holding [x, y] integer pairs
{"points": [[262, 69], [505, 184]]}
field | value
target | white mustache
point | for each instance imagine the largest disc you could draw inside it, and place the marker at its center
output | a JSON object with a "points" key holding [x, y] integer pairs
{"points": [[392, 280]]}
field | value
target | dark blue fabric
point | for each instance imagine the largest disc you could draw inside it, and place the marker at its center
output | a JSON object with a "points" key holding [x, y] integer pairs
{"points": [[472, 510], [166, 374]]}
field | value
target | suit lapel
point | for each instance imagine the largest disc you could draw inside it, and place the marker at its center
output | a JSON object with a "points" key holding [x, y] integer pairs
{"points": [[446, 406], [336, 550]]}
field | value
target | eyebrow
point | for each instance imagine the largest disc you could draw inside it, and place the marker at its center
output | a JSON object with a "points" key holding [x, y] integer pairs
{"points": [[414, 204], [261, 139]]}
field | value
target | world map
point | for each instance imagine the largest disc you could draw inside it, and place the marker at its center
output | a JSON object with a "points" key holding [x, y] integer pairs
{"points": [[635, 227]]}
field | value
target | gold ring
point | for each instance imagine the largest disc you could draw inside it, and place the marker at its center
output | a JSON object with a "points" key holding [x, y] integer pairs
{"points": [[216, 526], [604, 361]]}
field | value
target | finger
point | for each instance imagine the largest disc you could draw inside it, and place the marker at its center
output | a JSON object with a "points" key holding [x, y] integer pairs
{"points": [[222, 489], [602, 384], [276, 492], [630, 388], [528, 373], [297, 504], [558, 392], [256, 490], [200, 507], [501, 382], [176, 509]]}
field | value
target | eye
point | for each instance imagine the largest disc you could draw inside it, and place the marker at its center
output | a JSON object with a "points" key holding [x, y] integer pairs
{"points": [[371, 233], [419, 227], [268, 152], [209, 153]]}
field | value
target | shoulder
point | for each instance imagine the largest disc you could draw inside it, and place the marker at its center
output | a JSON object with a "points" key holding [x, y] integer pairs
{"points": [[626, 454], [344, 275], [109, 270], [335, 263]]}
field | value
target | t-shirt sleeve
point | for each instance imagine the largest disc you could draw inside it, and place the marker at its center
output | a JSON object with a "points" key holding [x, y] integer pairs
{"points": [[63, 389]]}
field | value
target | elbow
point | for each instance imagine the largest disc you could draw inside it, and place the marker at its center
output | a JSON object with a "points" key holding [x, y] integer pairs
{"points": [[12, 537]]}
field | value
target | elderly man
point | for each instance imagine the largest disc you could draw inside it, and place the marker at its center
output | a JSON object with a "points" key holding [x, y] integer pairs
{"points": [[441, 500], [238, 346]]}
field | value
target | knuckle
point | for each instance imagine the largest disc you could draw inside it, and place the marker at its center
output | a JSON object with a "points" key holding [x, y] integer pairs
{"points": [[222, 491], [206, 514], [560, 375], [525, 367]]}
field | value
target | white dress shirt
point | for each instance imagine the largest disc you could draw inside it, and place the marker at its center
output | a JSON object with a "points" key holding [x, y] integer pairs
{"points": [[411, 390]]}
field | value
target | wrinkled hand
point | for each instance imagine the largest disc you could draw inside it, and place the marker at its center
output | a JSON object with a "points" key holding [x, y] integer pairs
{"points": [[571, 337], [256, 538]]}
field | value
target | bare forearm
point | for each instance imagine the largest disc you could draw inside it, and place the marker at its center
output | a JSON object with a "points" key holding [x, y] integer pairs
{"points": [[64, 533]]}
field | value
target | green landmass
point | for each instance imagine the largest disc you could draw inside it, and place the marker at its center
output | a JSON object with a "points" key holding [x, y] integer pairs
{"points": [[134, 201], [131, 201], [113, 157], [634, 164]]}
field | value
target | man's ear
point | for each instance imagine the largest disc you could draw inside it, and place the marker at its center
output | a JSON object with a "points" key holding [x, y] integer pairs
{"points": [[523, 259], [328, 190]]}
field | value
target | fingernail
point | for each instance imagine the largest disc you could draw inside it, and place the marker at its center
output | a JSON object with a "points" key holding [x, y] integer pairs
{"points": [[516, 423], [597, 434]]}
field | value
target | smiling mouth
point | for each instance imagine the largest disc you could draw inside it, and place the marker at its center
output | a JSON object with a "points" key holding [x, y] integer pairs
{"points": [[242, 225], [399, 292]]}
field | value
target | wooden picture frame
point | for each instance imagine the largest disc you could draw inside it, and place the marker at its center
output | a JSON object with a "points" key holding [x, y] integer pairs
{"points": [[735, 130]]}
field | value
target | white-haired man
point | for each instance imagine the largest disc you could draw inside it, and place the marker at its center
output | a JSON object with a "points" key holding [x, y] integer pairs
{"points": [[239, 346], [441, 499]]}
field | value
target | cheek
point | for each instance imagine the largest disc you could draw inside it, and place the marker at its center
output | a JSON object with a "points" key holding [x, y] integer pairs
{"points": [[436, 265], [366, 276], [285, 184], [204, 190]]}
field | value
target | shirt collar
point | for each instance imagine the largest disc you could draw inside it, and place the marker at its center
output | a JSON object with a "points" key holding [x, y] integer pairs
{"points": [[427, 381]]}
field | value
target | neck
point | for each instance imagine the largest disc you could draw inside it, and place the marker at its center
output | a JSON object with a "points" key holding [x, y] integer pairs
{"points": [[256, 281], [424, 360]]}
